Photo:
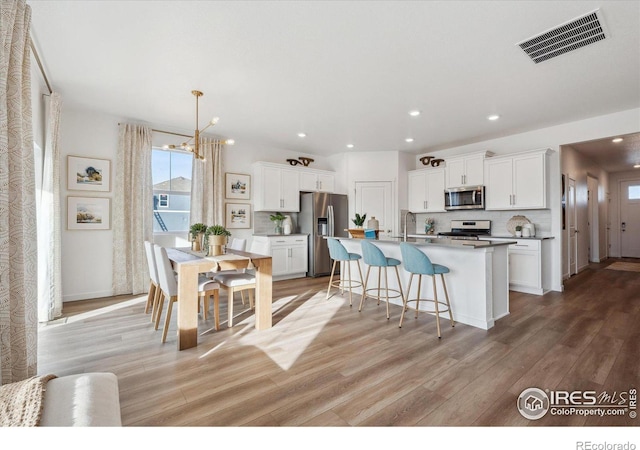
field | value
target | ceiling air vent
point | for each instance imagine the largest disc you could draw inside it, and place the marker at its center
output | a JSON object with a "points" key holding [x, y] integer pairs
{"points": [[567, 37]]}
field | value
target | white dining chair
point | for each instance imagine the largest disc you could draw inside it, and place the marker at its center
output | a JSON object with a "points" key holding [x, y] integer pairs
{"points": [[154, 285], [237, 281], [169, 287]]}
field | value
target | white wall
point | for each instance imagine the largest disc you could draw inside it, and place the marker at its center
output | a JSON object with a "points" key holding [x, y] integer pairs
{"points": [[622, 122], [614, 207]]}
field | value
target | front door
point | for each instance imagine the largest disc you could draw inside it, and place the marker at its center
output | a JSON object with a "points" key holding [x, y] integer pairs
{"points": [[630, 219], [374, 198]]}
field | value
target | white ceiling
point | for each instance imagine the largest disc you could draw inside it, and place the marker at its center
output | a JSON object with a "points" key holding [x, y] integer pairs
{"points": [[340, 71]]}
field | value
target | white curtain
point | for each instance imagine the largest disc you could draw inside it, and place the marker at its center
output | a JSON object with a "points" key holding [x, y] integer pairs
{"points": [[132, 210], [18, 246], [207, 185], [49, 272]]}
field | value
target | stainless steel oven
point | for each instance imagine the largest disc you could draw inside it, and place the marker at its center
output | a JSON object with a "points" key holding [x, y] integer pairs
{"points": [[468, 197]]}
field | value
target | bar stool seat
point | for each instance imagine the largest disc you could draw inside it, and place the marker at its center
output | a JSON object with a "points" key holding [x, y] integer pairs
{"points": [[339, 253], [374, 257], [417, 263]]}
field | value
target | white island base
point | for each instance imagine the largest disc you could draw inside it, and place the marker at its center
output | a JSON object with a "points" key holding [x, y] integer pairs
{"points": [[478, 281]]}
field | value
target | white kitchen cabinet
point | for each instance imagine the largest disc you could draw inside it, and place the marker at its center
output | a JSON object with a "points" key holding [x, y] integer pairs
{"points": [[276, 188], [288, 253], [320, 181], [466, 170], [517, 181], [527, 271], [426, 190]]}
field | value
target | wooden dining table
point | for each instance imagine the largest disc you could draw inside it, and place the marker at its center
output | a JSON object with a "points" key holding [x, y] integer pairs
{"points": [[190, 264]]}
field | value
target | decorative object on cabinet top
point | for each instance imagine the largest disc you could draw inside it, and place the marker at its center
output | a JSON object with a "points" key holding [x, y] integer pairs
{"points": [[516, 221], [301, 160], [430, 160]]}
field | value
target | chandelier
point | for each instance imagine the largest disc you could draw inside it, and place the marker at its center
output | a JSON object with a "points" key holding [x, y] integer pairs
{"points": [[195, 147]]}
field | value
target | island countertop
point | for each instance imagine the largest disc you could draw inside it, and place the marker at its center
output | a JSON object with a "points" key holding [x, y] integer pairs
{"points": [[436, 241]]}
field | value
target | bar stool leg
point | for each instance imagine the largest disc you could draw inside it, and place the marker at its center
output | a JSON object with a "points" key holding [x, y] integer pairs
{"points": [[331, 277], [435, 301], [341, 272], [402, 296], [386, 286], [406, 301], [364, 288], [418, 294], [348, 263], [379, 281], [446, 296], [360, 272]]}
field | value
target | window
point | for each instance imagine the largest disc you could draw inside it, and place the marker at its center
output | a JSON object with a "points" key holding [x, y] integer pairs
{"points": [[171, 175], [634, 192]]}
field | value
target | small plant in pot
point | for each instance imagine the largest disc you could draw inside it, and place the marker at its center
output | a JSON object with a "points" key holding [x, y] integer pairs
{"points": [[216, 237], [519, 231], [196, 236], [359, 220], [277, 218]]}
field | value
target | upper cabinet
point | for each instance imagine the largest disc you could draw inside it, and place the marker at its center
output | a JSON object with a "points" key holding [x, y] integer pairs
{"points": [[466, 170], [517, 181], [276, 188], [317, 180], [426, 190]]}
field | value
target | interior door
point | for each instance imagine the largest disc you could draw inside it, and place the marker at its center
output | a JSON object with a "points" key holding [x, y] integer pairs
{"points": [[630, 219], [571, 221], [374, 198]]}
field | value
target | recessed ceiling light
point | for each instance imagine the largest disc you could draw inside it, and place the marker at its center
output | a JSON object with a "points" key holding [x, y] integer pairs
{"points": [[493, 117], [617, 140], [302, 135], [408, 140], [636, 166], [349, 145], [414, 113]]}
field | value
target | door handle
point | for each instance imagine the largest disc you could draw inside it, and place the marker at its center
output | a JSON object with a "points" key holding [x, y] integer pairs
{"points": [[624, 226]]}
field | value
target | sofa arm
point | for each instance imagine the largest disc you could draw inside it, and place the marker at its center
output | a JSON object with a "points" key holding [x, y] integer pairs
{"points": [[82, 400]]}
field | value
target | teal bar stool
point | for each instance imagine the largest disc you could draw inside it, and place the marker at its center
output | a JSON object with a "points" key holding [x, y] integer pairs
{"points": [[374, 257], [338, 253], [417, 263]]}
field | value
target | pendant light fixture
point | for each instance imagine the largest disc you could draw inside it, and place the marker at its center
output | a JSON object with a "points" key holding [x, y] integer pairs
{"points": [[195, 146]]}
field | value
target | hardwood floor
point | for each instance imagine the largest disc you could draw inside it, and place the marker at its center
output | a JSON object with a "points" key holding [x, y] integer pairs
{"points": [[326, 364]]}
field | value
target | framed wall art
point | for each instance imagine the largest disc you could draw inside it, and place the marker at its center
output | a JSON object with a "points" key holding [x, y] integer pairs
{"points": [[238, 215], [88, 174], [88, 213], [237, 186]]}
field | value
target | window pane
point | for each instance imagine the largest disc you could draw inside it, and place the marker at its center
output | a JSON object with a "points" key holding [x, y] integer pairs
{"points": [[171, 175], [634, 192]]}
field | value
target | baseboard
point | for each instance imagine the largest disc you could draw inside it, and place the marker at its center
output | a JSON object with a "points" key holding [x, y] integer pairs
{"points": [[86, 296]]}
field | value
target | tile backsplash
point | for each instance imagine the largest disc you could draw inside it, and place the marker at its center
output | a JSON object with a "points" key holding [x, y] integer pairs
{"points": [[262, 224], [541, 218]]}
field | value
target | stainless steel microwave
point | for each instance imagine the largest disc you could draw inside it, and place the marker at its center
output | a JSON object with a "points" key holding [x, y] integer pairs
{"points": [[468, 197]]}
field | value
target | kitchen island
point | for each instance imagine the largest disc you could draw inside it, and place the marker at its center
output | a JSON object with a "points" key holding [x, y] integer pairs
{"points": [[478, 281]]}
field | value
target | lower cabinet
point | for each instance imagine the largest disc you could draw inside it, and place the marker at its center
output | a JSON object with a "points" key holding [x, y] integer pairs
{"points": [[288, 253], [528, 272]]}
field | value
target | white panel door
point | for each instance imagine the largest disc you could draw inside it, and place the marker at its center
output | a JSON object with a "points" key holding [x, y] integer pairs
{"points": [[374, 198], [630, 219], [572, 220]]}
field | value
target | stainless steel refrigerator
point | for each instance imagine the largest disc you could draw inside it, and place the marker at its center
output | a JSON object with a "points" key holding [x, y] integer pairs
{"points": [[321, 215]]}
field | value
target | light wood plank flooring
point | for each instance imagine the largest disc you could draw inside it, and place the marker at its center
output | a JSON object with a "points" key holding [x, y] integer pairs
{"points": [[326, 364]]}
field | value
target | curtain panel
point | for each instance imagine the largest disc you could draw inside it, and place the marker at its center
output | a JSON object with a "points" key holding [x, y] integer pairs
{"points": [[49, 238], [132, 211], [207, 185], [18, 246]]}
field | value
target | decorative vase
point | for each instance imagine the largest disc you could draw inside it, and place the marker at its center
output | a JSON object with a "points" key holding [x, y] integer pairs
{"points": [[216, 242], [278, 229], [373, 223]]}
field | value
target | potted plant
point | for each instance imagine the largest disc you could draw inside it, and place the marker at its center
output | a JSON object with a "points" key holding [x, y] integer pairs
{"points": [[277, 218], [216, 236], [196, 236], [518, 230], [359, 220]]}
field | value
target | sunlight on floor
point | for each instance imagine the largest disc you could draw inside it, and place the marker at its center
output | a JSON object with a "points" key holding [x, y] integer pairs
{"points": [[288, 339], [94, 313]]}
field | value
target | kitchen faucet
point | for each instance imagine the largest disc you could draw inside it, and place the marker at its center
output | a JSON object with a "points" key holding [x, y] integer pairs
{"points": [[413, 219]]}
